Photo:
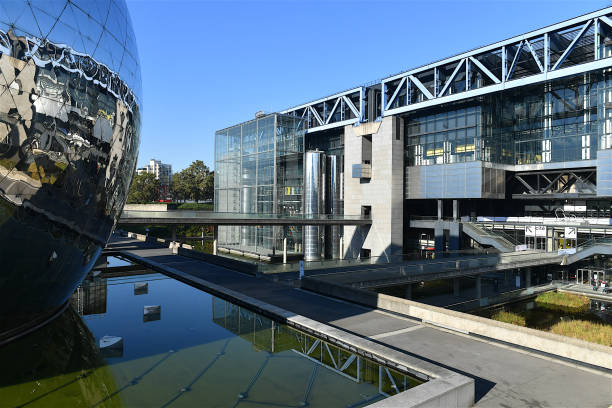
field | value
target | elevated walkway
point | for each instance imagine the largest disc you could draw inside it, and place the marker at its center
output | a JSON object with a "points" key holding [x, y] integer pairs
{"points": [[186, 217], [427, 270], [598, 246]]}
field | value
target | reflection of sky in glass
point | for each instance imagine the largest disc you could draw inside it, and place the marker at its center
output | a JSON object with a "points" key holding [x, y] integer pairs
{"points": [[100, 28]]}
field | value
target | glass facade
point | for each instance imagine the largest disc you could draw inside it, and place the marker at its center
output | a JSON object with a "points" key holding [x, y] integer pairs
{"points": [[563, 120], [258, 169]]}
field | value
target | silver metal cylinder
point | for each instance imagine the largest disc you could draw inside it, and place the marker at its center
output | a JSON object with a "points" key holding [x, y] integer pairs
{"points": [[314, 202], [332, 232]]}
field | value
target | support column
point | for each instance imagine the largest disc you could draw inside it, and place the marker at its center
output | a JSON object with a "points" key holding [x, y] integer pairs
{"points": [[454, 243], [408, 293], [456, 287], [173, 229], [455, 209], [285, 250], [527, 277], [341, 254], [440, 209], [439, 238], [215, 236], [478, 287]]}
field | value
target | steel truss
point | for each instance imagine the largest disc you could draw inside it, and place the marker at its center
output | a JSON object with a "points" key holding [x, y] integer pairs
{"points": [[571, 47], [341, 109], [575, 183]]}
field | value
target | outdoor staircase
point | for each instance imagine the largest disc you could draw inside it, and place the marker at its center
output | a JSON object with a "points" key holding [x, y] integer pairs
{"points": [[484, 236]]}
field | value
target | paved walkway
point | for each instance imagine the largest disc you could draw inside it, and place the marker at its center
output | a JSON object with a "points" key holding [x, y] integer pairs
{"points": [[503, 376]]}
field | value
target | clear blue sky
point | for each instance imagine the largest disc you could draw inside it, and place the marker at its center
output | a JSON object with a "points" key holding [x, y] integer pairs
{"points": [[208, 65]]}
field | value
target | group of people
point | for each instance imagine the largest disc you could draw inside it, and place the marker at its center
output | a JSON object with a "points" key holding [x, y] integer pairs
{"points": [[598, 283]]}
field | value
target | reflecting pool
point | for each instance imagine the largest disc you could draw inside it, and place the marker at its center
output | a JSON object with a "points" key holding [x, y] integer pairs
{"points": [[151, 341]]}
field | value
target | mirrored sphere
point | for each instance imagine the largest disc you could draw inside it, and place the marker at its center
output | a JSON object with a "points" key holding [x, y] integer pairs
{"points": [[70, 94]]}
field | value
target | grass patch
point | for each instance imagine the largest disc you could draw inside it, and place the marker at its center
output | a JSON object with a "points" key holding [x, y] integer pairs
{"points": [[509, 317], [584, 330], [195, 206], [565, 302]]}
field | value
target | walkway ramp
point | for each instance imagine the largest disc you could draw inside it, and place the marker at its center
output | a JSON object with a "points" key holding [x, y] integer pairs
{"points": [[598, 246], [488, 237]]}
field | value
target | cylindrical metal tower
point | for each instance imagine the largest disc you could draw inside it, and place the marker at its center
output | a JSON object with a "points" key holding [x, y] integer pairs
{"points": [[332, 233], [314, 202]]}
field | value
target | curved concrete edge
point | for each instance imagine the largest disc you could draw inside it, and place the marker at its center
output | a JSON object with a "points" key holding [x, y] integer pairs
{"points": [[454, 389], [567, 347]]}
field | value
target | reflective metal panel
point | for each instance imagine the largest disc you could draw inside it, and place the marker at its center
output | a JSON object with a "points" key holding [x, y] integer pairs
{"points": [[334, 207], [69, 136], [314, 202]]}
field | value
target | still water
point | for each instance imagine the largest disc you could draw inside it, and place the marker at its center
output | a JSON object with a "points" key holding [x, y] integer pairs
{"points": [[151, 341]]}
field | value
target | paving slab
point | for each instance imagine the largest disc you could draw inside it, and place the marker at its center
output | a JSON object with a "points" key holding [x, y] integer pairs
{"points": [[504, 376]]}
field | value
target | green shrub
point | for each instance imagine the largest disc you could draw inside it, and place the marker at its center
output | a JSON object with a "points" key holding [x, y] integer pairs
{"points": [[509, 317], [585, 330], [565, 302]]}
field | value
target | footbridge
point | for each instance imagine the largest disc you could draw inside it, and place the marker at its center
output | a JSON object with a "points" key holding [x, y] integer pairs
{"points": [[377, 276], [188, 217]]}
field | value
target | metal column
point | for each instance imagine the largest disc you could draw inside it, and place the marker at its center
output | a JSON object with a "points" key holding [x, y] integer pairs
{"points": [[333, 206], [314, 202]]}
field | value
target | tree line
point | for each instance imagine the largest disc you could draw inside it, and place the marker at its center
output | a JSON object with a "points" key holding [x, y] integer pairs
{"points": [[196, 183]]}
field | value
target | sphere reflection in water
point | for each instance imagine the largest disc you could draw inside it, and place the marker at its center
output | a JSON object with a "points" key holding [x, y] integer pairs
{"points": [[69, 135], [57, 366]]}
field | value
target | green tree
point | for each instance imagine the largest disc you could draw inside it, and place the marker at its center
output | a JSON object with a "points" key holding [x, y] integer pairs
{"points": [[179, 187], [196, 182], [144, 189]]}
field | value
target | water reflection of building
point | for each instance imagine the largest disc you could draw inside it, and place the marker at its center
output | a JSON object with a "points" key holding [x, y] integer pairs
{"points": [[267, 335], [90, 297]]}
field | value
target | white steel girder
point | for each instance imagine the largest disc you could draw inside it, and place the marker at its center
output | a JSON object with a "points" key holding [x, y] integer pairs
{"points": [[491, 61]]}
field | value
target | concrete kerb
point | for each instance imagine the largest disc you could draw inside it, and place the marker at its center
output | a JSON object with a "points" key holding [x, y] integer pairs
{"points": [[570, 348], [168, 243], [443, 388]]}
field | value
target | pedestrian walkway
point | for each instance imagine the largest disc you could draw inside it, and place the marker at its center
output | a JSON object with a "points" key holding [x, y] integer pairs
{"points": [[504, 376]]}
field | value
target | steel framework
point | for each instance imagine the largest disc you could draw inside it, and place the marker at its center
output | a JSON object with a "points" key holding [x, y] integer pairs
{"points": [[575, 183], [574, 46]]}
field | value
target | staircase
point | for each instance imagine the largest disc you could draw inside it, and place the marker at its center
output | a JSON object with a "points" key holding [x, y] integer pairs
{"points": [[596, 246], [498, 240]]}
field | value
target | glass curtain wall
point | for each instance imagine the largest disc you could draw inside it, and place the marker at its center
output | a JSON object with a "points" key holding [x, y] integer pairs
{"points": [[258, 169], [564, 120]]}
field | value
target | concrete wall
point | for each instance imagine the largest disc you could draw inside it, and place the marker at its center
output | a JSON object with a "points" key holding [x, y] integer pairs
{"points": [[566, 347], [149, 207], [383, 191]]}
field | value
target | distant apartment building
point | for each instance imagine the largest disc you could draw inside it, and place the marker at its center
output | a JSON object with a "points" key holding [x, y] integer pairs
{"points": [[163, 173]]}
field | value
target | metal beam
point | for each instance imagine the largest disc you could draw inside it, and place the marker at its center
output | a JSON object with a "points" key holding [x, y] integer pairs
{"points": [[485, 70], [397, 90], [316, 115], [534, 55], [422, 87], [451, 78], [571, 46], [351, 106], [515, 60], [331, 112]]}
